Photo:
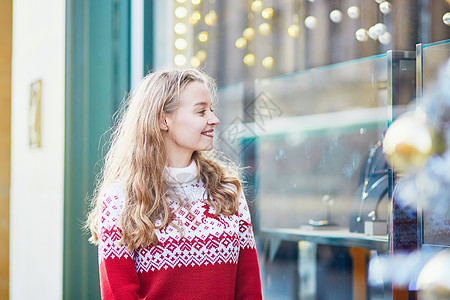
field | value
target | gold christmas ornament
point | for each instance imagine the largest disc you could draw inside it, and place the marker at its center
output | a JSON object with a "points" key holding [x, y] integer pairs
{"points": [[408, 142]]}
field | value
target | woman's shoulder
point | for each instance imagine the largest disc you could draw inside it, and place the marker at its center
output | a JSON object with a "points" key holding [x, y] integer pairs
{"points": [[114, 192], [112, 203]]}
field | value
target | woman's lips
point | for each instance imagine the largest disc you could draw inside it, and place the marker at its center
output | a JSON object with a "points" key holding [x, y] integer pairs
{"points": [[208, 133]]}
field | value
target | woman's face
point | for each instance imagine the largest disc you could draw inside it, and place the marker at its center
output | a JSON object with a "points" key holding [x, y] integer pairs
{"points": [[191, 126]]}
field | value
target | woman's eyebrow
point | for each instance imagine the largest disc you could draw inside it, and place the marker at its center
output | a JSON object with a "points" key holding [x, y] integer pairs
{"points": [[201, 104]]}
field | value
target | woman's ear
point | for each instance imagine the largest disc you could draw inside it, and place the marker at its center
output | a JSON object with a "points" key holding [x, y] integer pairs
{"points": [[163, 124]]}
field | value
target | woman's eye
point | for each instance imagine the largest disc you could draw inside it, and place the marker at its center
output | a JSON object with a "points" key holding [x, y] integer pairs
{"points": [[203, 111]]}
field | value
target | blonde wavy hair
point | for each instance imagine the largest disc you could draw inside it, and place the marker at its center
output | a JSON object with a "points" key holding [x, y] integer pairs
{"points": [[138, 158]]}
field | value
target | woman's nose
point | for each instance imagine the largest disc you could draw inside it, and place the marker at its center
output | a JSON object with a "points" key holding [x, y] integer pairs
{"points": [[213, 120]]}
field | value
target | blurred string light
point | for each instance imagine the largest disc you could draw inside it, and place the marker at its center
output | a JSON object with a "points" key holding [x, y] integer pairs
{"points": [[376, 32], [201, 54], [211, 18], [195, 17], [265, 28], [385, 7], [203, 36], [267, 62], [241, 43], [379, 29], [181, 12], [195, 62], [180, 28], [310, 22], [256, 6], [371, 33], [267, 13], [294, 30], [249, 33], [180, 44], [446, 18], [362, 35], [180, 60], [249, 59], [353, 12], [336, 16], [385, 38]]}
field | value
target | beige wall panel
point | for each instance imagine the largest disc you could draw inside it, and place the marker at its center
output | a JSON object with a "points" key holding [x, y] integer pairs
{"points": [[5, 140]]}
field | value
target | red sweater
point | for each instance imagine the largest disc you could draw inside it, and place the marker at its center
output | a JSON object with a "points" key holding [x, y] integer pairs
{"points": [[214, 259]]}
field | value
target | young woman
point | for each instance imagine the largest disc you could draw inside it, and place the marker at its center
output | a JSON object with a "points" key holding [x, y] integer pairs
{"points": [[169, 222]]}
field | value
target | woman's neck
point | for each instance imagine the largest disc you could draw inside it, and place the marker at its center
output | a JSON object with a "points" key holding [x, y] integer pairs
{"points": [[179, 161]]}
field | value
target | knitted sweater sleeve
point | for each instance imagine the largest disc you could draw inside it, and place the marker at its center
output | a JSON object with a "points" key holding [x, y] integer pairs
{"points": [[118, 277], [248, 280]]}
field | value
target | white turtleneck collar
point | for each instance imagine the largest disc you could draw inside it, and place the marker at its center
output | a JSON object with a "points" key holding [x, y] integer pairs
{"points": [[186, 175]]}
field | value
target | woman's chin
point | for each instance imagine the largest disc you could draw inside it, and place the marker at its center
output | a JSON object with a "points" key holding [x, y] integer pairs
{"points": [[208, 147]]}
